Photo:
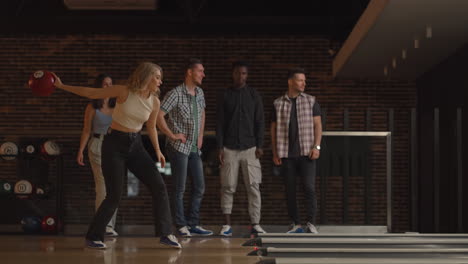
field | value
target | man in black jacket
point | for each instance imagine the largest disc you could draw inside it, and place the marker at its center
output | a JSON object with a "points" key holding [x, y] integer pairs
{"points": [[239, 134]]}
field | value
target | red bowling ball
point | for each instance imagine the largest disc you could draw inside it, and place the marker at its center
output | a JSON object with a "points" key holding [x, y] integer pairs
{"points": [[49, 224], [50, 150], [42, 83]]}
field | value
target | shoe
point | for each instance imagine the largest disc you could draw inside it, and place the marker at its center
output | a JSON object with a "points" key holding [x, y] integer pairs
{"points": [[257, 229], [296, 229], [200, 231], [226, 230], [183, 231], [170, 241], [95, 244], [312, 228], [110, 232]]}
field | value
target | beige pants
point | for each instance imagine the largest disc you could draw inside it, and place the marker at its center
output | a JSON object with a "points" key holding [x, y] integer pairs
{"points": [[252, 176], [94, 155]]}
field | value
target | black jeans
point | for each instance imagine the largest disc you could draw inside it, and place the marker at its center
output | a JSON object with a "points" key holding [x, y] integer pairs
{"points": [[120, 151], [291, 169]]}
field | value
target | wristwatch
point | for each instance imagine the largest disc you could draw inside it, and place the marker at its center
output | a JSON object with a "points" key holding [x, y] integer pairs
{"points": [[317, 147]]}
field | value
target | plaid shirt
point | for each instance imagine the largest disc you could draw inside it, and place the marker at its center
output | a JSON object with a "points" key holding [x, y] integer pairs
{"points": [[305, 120], [177, 104]]}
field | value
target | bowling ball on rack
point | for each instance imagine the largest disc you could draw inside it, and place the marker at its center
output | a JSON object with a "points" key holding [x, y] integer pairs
{"points": [[8, 151], [50, 150], [23, 189], [43, 190], [28, 149], [5, 188], [50, 224], [42, 83], [31, 224]]}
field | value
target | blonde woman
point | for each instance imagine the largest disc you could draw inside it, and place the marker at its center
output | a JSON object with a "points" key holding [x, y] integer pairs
{"points": [[122, 148]]}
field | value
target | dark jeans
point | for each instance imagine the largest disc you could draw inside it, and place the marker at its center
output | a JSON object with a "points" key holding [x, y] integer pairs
{"points": [[291, 169], [182, 165], [120, 151]]}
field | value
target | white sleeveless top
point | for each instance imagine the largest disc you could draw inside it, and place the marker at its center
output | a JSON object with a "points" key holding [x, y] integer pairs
{"points": [[134, 111]]}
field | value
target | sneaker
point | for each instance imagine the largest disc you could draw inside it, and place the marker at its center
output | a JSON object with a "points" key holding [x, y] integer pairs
{"points": [[296, 229], [170, 241], [95, 244], [312, 228], [110, 232], [226, 230], [200, 231], [257, 229], [183, 231]]}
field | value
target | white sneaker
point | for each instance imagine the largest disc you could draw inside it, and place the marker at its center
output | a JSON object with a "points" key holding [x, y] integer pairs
{"points": [[170, 241], [110, 232], [312, 228], [183, 231], [97, 244], [226, 230], [258, 229]]}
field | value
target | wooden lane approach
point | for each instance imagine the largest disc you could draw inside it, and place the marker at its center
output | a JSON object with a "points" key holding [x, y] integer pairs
{"points": [[332, 260], [360, 253], [364, 235], [390, 242]]}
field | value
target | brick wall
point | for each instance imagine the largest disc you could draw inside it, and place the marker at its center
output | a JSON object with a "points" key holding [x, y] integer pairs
{"points": [[78, 58]]}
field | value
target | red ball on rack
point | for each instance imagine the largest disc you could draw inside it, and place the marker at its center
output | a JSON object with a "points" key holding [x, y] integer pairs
{"points": [[49, 224], [50, 150]]}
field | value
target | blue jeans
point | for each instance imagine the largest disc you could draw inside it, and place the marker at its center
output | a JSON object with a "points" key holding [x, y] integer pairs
{"points": [[182, 165]]}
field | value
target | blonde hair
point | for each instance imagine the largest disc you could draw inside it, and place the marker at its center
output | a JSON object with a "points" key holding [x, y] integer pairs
{"points": [[141, 76]]}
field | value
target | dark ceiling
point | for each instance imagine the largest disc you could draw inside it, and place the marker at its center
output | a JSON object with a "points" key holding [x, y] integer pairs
{"points": [[333, 18]]}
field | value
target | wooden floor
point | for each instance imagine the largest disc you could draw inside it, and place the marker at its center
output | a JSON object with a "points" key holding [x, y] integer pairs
{"points": [[135, 250]]}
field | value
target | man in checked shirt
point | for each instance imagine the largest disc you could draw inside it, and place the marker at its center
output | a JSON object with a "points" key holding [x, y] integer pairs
{"points": [[296, 132], [184, 129]]}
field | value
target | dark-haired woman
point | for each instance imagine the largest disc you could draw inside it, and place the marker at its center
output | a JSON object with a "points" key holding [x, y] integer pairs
{"points": [[97, 119]]}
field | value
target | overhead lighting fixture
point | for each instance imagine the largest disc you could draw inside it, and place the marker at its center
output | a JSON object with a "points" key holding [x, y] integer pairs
{"points": [[403, 54], [394, 63], [385, 71]]}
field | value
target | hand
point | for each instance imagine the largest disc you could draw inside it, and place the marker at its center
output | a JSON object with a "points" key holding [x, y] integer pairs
{"points": [[258, 153], [221, 156], [79, 158], [180, 137], [57, 83], [314, 154], [161, 159], [276, 160], [200, 142]]}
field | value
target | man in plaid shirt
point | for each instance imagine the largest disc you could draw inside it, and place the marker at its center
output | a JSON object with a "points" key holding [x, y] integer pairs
{"points": [[185, 106], [296, 132]]}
